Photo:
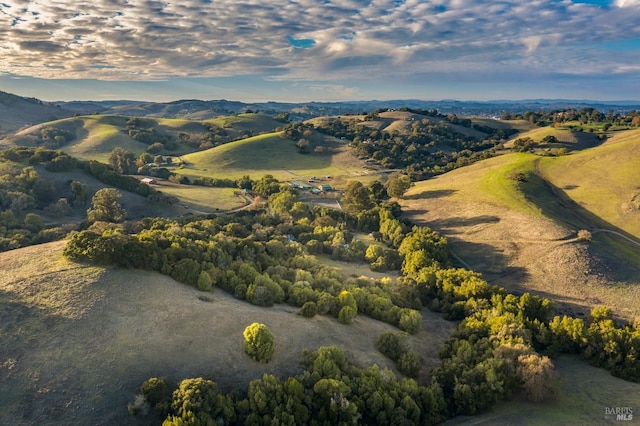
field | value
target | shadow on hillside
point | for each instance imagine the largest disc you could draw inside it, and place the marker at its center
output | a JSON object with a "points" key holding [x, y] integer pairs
{"points": [[587, 140], [489, 260], [556, 204], [431, 194], [495, 269], [459, 222]]}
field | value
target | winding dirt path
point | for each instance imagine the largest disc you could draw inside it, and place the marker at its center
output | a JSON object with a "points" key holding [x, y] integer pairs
{"points": [[566, 204]]}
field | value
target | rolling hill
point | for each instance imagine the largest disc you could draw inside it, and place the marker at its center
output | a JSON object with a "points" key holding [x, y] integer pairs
{"points": [[271, 154], [605, 181], [95, 136], [17, 112], [566, 138], [505, 218]]}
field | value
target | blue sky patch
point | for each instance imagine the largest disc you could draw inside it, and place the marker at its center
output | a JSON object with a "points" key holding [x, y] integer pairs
{"points": [[621, 45], [302, 43], [603, 3]]}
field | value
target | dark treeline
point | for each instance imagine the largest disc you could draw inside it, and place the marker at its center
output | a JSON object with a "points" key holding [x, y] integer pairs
{"points": [[501, 346], [585, 115]]}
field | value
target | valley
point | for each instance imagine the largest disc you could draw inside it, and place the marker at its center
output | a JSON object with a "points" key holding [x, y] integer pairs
{"points": [[92, 309]]}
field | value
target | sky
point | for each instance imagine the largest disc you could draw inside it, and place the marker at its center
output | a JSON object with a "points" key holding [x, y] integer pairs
{"points": [[320, 50]]}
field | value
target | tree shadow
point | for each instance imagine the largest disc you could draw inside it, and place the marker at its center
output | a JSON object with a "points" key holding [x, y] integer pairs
{"points": [[557, 205], [459, 222], [486, 259], [438, 193]]}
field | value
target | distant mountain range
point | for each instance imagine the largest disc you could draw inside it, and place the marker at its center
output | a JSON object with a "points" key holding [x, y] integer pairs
{"points": [[199, 109], [16, 111]]}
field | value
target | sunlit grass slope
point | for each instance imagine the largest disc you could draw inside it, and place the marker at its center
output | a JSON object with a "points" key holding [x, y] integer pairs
{"points": [[201, 198], [246, 122], [259, 155], [99, 135], [604, 180], [489, 181], [567, 138]]}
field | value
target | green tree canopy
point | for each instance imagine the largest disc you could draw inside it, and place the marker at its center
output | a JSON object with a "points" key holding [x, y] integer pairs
{"points": [[397, 185], [259, 343], [356, 198], [106, 206], [122, 161]]}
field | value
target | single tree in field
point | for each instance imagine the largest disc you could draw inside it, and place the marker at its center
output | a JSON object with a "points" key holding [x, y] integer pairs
{"points": [[106, 206], [397, 185], [259, 343]]}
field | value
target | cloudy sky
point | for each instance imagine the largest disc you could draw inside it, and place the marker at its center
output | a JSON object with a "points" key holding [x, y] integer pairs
{"points": [[300, 50]]}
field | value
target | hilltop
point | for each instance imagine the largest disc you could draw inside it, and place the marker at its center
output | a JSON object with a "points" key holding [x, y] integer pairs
{"points": [[17, 112]]}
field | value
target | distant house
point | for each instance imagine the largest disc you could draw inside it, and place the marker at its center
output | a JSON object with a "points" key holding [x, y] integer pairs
{"points": [[325, 188], [149, 181]]}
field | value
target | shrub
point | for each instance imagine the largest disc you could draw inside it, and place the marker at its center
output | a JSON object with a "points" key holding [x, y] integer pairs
{"points": [[259, 343], [204, 281], [393, 345], [186, 271], [410, 321], [409, 364], [347, 314], [157, 394], [309, 310], [259, 295]]}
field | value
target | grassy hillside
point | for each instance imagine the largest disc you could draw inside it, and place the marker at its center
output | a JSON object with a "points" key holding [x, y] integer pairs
{"points": [[76, 341], [268, 154], [17, 112], [97, 135], [566, 138], [604, 180], [483, 182], [521, 234], [246, 122]]}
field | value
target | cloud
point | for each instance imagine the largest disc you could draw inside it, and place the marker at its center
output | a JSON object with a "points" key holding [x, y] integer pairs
{"points": [[315, 40], [627, 3]]}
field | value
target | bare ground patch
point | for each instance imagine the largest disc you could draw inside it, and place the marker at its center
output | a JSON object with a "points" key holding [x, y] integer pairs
{"points": [[77, 341]]}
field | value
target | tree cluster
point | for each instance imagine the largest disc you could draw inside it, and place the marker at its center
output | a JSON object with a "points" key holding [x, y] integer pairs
{"points": [[584, 116], [331, 391], [431, 148], [23, 190], [256, 257]]}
